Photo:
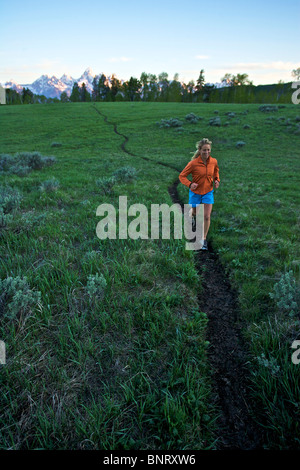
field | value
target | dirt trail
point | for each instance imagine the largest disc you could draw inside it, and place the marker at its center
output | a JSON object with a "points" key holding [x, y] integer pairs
{"points": [[227, 353]]}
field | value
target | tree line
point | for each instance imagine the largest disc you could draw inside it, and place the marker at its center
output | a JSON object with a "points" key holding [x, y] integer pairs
{"points": [[236, 89]]}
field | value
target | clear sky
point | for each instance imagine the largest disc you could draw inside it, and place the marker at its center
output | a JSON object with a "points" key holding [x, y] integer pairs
{"points": [[128, 37]]}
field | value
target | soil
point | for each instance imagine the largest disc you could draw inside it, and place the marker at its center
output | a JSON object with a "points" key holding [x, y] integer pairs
{"points": [[227, 352]]}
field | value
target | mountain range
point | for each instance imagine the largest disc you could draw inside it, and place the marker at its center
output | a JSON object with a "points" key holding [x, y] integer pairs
{"points": [[52, 87]]}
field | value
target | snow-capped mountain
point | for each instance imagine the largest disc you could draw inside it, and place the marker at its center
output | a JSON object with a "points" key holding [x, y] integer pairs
{"points": [[14, 85], [52, 87]]}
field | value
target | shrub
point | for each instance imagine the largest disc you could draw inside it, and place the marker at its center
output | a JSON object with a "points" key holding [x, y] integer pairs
{"points": [[16, 297], [96, 286], [32, 160], [20, 170], [192, 118], [268, 108], [240, 144], [172, 122], [49, 185], [5, 219], [30, 219], [9, 199], [285, 294], [56, 144], [48, 161], [270, 364], [125, 174], [6, 161], [215, 121], [106, 184], [24, 162], [230, 114]]}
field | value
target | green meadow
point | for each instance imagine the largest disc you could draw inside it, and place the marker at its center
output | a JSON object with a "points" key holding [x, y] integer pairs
{"points": [[106, 347]]}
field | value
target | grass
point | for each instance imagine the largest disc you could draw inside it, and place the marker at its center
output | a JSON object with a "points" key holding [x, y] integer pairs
{"points": [[125, 367]]}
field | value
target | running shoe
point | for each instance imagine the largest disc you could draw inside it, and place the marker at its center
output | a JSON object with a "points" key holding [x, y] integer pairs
{"points": [[204, 246]]}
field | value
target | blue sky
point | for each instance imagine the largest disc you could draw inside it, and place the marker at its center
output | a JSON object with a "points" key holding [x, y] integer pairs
{"points": [[260, 38]]}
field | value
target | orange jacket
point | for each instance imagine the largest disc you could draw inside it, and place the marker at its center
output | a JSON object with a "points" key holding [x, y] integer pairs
{"points": [[202, 174]]}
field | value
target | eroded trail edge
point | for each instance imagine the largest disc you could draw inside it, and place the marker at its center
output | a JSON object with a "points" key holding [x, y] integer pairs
{"points": [[227, 353]]}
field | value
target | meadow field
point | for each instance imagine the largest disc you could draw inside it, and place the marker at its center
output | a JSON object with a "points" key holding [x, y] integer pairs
{"points": [[107, 344]]}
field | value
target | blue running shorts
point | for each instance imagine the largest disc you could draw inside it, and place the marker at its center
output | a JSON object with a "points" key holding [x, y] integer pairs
{"points": [[196, 199]]}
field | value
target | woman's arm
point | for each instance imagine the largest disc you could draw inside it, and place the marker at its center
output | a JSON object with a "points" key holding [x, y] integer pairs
{"points": [[216, 176], [183, 175]]}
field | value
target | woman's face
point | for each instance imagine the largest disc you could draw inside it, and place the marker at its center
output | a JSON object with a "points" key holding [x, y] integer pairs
{"points": [[205, 151]]}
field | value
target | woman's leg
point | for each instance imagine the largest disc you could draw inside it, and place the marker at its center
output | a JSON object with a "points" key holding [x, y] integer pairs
{"points": [[207, 213], [195, 210]]}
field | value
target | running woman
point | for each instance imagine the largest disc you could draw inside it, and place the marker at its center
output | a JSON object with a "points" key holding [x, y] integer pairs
{"points": [[205, 171]]}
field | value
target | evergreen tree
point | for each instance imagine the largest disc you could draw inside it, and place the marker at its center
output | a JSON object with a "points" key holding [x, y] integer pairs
{"points": [[13, 97], [42, 99], [114, 89], [84, 94], [191, 90], [75, 95], [27, 96], [188, 92], [199, 88], [207, 89], [200, 81], [64, 97], [103, 88], [95, 92], [175, 90], [132, 89]]}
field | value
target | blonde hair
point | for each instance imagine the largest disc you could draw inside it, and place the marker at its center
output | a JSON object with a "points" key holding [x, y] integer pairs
{"points": [[199, 146]]}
